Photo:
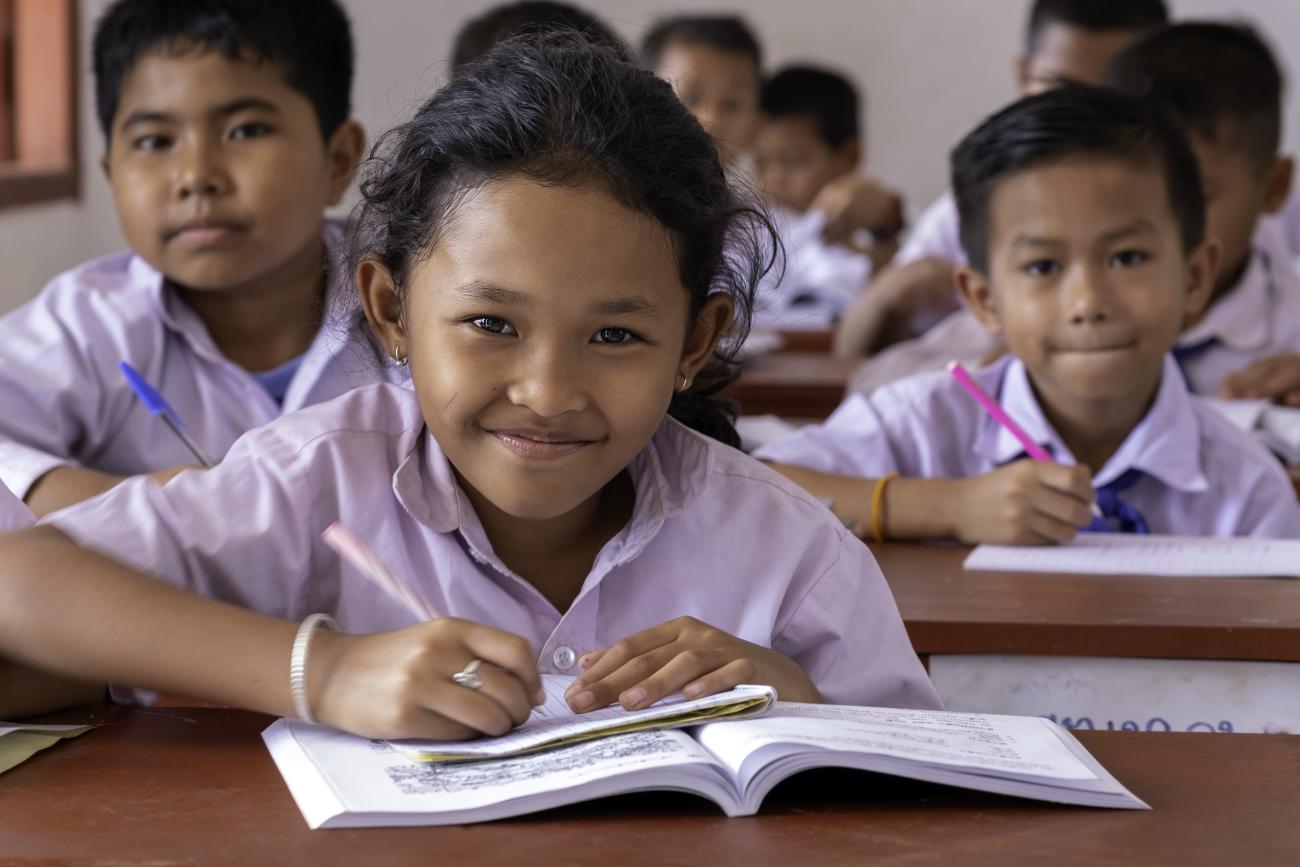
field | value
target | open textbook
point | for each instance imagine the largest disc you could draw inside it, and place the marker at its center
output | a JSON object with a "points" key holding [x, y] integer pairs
{"points": [[340, 780], [1134, 554]]}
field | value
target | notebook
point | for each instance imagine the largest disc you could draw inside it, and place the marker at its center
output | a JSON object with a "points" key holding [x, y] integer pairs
{"points": [[1134, 554], [553, 724], [340, 780], [19, 742]]}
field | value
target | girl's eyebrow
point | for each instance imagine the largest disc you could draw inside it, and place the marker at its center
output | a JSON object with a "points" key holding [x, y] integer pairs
{"points": [[477, 290], [632, 305]]}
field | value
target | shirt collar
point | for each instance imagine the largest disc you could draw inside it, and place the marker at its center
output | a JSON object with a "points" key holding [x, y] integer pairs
{"points": [[1164, 444], [342, 308], [426, 486], [1242, 318]]}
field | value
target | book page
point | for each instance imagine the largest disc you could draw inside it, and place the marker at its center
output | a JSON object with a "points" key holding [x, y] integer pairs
{"points": [[1132, 554], [554, 723], [332, 773], [1018, 746]]}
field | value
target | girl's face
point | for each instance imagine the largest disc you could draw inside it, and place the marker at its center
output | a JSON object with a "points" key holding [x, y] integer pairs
{"points": [[546, 332]]}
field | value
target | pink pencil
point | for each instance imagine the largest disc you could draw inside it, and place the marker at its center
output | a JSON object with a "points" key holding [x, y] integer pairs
{"points": [[1033, 449], [354, 551]]}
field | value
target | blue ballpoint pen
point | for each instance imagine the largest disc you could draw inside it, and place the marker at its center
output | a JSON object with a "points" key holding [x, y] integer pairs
{"points": [[153, 401]]}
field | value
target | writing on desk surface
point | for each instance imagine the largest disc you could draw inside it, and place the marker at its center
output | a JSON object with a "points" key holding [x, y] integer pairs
{"points": [[1125, 694], [1154, 724]]}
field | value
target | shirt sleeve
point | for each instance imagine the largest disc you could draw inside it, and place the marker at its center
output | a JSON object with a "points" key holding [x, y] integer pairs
{"points": [[242, 532], [847, 635], [53, 398], [852, 442], [13, 514], [934, 235], [1271, 509]]}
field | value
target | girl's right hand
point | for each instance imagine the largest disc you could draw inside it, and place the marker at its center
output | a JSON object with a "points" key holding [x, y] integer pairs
{"points": [[398, 684], [1025, 503]]}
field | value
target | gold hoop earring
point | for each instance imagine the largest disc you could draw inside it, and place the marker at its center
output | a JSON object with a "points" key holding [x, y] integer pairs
{"points": [[398, 358], [686, 383]]}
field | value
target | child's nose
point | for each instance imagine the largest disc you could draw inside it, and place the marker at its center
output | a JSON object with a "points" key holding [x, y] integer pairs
{"points": [[200, 171], [1087, 298], [549, 384]]}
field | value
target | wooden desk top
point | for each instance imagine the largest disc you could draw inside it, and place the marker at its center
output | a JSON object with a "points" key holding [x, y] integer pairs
{"points": [[196, 786], [792, 384], [949, 610]]}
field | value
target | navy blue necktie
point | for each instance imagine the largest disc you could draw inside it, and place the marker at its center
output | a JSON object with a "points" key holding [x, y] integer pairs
{"points": [[1117, 515], [1184, 354]]}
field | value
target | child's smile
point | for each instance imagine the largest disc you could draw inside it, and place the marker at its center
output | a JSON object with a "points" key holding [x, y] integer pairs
{"points": [[547, 329]]}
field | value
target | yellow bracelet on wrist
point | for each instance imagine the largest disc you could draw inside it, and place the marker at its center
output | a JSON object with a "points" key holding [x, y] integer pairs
{"points": [[878, 507]]}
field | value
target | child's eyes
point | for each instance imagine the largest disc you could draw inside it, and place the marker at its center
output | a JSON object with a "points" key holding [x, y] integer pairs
{"points": [[253, 129], [151, 142], [1041, 268], [492, 325], [614, 335], [1129, 258]]}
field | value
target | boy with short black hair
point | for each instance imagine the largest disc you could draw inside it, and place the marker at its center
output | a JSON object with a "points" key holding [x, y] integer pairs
{"points": [[835, 226], [227, 137], [1064, 41], [1224, 84], [714, 64], [1084, 221], [499, 23]]}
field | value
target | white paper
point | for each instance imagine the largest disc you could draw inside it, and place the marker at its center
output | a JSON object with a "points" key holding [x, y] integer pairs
{"points": [[1134, 554], [1244, 415], [1152, 695], [1277, 427], [331, 773], [554, 721], [1020, 746], [7, 728]]}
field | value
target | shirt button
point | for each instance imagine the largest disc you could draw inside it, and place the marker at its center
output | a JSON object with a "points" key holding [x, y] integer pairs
{"points": [[564, 657]]}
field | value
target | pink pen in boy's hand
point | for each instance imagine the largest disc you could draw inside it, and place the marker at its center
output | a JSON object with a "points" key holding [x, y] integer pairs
{"points": [[1033, 449], [354, 551]]}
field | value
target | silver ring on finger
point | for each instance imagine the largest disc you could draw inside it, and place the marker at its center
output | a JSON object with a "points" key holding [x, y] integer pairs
{"points": [[468, 676]]}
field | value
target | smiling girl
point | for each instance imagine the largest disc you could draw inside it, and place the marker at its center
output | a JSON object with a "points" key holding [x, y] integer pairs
{"points": [[543, 246]]}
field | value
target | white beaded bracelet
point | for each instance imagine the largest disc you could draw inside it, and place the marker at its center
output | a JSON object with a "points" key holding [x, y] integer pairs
{"points": [[298, 663]]}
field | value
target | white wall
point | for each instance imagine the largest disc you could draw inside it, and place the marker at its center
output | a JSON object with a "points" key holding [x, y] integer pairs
{"points": [[929, 68]]}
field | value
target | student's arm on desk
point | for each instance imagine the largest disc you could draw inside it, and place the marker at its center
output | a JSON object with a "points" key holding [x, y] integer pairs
{"points": [[899, 293], [126, 627], [63, 486], [1276, 378], [27, 691], [1023, 503]]}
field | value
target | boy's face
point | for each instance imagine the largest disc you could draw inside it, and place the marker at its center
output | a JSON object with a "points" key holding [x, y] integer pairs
{"points": [[1237, 192], [546, 332], [1088, 282], [1069, 55], [794, 162], [719, 87], [218, 169]]}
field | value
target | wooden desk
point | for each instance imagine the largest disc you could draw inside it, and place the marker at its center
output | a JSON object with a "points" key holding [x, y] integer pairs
{"points": [[807, 340], [792, 385], [198, 787], [949, 610]]}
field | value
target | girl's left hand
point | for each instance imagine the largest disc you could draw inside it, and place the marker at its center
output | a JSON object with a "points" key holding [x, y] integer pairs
{"points": [[683, 655]]}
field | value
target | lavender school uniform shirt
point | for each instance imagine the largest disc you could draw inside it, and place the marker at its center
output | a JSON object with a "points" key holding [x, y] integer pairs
{"points": [[64, 402], [714, 534], [1201, 476], [13, 514]]}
